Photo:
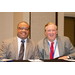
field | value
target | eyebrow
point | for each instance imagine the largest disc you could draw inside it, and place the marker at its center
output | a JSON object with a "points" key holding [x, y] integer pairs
{"points": [[22, 27]]}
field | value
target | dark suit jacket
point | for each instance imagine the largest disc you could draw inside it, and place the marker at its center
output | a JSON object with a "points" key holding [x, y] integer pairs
{"points": [[64, 45], [9, 49]]}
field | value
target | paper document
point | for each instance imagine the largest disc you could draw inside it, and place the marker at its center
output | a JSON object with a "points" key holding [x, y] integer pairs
{"points": [[72, 60], [4, 60], [35, 60]]}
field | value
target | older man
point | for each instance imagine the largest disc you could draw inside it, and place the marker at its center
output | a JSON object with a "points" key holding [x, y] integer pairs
{"points": [[54, 46]]}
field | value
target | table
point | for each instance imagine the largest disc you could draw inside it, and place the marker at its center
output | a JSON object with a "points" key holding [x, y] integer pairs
{"points": [[53, 60]]}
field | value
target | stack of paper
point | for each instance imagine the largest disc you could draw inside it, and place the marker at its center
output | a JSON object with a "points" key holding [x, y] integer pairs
{"points": [[69, 60], [5, 60], [35, 60]]}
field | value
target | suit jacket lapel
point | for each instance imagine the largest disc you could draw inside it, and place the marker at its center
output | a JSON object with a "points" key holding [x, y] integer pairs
{"points": [[15, 43], [46, 49], [27, 48], [60, 46]]}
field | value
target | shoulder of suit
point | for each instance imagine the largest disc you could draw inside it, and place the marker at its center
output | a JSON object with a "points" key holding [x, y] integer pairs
{"points": [[42, 40], [30, 40], [63, 38], [10, 39]]}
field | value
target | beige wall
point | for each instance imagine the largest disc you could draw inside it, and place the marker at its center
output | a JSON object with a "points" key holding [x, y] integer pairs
{"points": [[26, 16], [61, 21], [6, 25], [10, 20], [17, 18], [69, 14], [38, 21]]}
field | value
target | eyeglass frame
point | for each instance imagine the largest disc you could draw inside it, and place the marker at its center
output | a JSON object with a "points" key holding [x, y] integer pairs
{"points": [[21, 28]]}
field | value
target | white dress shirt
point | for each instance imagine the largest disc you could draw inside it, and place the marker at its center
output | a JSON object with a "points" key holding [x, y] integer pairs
{"points": [[55, 45], [19, 44]]}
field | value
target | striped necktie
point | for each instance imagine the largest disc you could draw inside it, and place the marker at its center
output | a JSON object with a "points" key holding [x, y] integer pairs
{"points": [[21, 53]]}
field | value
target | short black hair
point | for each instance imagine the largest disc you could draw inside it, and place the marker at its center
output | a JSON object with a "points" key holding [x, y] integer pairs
{"points": [[23, 22]]}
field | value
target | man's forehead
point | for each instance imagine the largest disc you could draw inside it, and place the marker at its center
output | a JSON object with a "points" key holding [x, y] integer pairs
{"points": [[52, 25], [23, 25]]}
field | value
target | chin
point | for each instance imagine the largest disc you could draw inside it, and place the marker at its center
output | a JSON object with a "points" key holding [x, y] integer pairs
{"points": [[23, 37]]}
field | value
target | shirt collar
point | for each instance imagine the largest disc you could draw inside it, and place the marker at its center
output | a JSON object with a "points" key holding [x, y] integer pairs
{"points": [[19, 39], [53, 41]]}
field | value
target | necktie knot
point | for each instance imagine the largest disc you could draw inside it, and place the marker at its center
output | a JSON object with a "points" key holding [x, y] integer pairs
{"points": [[22, 41], [52, 43]]}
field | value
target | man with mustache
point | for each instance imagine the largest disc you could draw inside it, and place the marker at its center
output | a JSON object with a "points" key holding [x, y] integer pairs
{"points": [[54, 46], [10, 48]]}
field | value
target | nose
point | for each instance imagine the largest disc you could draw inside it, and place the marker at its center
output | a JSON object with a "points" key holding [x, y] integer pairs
{"points": [[51, 31], [23, 30]]}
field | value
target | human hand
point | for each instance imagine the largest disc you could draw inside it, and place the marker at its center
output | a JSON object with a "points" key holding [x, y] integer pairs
{"points": [[63, 57]]}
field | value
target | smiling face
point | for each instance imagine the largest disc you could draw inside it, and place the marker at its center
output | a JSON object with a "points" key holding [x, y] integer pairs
{"points": [[51, 32], [23, 30]]}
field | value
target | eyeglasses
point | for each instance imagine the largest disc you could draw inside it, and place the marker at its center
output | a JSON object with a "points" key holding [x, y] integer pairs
{"points": [[21, 28]]}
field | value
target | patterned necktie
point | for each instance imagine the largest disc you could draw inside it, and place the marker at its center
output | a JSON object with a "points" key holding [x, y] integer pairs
{"points": [[51, 51], [21, 53]]}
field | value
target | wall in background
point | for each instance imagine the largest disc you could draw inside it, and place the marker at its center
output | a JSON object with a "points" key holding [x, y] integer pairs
{"points": [[38, 21], [6, 25], [61, 21], [17, 18], [10, 20]]}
